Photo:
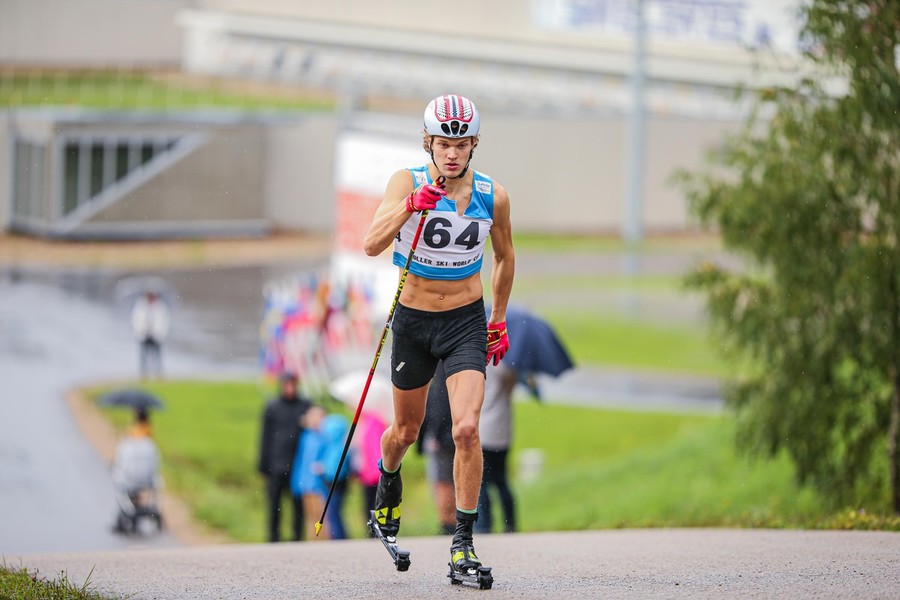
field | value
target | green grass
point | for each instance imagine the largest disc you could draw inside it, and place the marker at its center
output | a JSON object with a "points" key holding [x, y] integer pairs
{"points": [[110, 90], [601, 468], [613, 244], [20, 584], [209, 437], [589, 310], [638, 470], [594, 338]]}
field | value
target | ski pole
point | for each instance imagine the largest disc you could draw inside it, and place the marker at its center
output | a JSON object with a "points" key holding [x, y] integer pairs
{"points": [[362, 399]]}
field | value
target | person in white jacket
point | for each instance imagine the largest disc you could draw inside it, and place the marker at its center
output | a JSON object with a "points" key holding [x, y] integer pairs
{"points": [[150, 322]]}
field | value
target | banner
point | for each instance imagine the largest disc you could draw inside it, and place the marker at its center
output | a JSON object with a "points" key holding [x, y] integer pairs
{"points": [[751, 24], [364, 164], [324, 325]]}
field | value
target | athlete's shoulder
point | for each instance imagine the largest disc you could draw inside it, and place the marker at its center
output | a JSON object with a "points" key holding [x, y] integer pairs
{"points": [[418, 175], [405, 176], [500, 194]]}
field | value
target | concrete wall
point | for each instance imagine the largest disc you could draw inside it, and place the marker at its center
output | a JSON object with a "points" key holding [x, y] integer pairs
{"points": [[299, 171], [223, 180], [5, 171], [471, 17], [569, 175], [563, 175], [509, 31], [90, 33]]}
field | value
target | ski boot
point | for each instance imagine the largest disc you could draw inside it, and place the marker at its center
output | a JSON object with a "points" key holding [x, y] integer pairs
{"points": [[465, 566], [384, 521]]}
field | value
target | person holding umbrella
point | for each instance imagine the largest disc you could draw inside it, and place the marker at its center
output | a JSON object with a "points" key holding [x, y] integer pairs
{"points": [[135, 466], [496, 436], [150, 321], [534, 348]]}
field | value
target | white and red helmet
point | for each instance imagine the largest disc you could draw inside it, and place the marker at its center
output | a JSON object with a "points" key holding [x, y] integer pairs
{"points": [[452, 116]]}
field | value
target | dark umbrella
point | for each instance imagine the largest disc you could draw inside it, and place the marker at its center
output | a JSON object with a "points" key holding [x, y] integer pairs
{"points": [[131, 398], [533, 345]]}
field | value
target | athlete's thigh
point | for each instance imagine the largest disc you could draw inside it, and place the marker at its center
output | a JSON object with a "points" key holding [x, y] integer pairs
{"points": [[466, 391], [409, 406]]}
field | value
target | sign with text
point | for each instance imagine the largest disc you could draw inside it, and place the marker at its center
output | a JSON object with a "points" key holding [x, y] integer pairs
{"points": [[364, 164], [751, 24]]}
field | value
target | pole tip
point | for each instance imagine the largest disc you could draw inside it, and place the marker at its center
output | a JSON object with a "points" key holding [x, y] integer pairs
{"points": [[318, 528]]}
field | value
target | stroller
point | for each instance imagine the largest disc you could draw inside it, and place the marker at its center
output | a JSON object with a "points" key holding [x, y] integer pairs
{"points": [[136, 479]]}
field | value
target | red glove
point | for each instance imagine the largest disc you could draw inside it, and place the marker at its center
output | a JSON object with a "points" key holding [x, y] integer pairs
{"points": [[424, 197], [497, 342]]}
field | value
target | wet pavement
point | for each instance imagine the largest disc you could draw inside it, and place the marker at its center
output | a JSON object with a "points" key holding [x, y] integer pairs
{"points": [[63, 329], [55, 491], [639, 564], [59, 331]]}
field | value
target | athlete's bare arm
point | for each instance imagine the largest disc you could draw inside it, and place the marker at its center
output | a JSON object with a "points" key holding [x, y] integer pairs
{"points": [[391, 214], [504, 266]]}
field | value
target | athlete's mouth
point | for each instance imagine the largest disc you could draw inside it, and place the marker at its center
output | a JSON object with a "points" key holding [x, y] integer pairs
{"points": [[452, 166]]}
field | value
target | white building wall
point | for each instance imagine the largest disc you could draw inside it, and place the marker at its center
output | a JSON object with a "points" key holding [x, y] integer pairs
{"points": [[299, 174], [6, 141], [90, 33]]}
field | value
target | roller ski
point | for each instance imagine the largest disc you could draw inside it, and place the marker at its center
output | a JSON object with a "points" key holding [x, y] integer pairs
{"points": [[472, 574], [400, 557], [465, 566], [384, 521]]}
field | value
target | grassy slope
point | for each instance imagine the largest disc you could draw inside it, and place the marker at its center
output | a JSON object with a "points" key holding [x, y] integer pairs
{"points": [[601, 468]]}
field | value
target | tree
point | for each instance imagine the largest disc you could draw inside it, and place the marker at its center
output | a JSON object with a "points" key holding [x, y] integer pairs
{"points": [[809, 192]]}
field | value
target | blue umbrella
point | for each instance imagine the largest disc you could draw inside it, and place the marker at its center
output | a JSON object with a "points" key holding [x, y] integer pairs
{"points": [[533, 345], [131, 398]]}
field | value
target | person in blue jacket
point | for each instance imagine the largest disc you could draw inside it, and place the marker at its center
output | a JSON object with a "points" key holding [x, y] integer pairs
{"points": [[316, 462]]}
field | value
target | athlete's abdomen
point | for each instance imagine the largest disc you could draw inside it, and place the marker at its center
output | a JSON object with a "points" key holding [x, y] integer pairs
{"points": [[440, 294]]}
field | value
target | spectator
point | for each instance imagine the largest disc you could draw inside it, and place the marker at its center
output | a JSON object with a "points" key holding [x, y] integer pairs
{"points": [[135, 474], [436, 443], [150, 323], [495, 429], [367, 451], [281, 429], [315, 465]]}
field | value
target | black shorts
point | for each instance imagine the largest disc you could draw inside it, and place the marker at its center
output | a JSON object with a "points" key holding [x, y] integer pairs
{"points": [[421, 338]]}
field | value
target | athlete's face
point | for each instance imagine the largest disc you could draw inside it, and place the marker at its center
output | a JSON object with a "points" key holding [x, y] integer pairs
{"points": [[451, 154]]}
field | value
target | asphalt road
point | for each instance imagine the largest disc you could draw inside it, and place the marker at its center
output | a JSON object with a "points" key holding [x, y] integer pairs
{"points": [[651, 563]]}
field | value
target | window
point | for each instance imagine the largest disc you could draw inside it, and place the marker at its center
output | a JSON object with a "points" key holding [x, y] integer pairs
{"points": [[93, 165]]}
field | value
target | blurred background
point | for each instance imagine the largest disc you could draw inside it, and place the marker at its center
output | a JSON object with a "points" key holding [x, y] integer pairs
{"points": [[245, 107], [229, 154]]}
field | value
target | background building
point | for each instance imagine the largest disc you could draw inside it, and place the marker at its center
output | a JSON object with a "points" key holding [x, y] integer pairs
{"points": [[551, 77]]}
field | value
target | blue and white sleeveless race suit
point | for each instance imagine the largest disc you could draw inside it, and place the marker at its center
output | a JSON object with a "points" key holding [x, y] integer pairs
{"points": [[452, 245], [451, 248]]}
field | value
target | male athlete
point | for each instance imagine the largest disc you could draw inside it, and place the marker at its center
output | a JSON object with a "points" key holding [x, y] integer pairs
{"points": [[440, 314]]}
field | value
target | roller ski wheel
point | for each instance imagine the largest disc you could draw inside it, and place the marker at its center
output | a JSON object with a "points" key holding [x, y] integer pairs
{"points": [[400, 557], [479, 576], [465, 567]]}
